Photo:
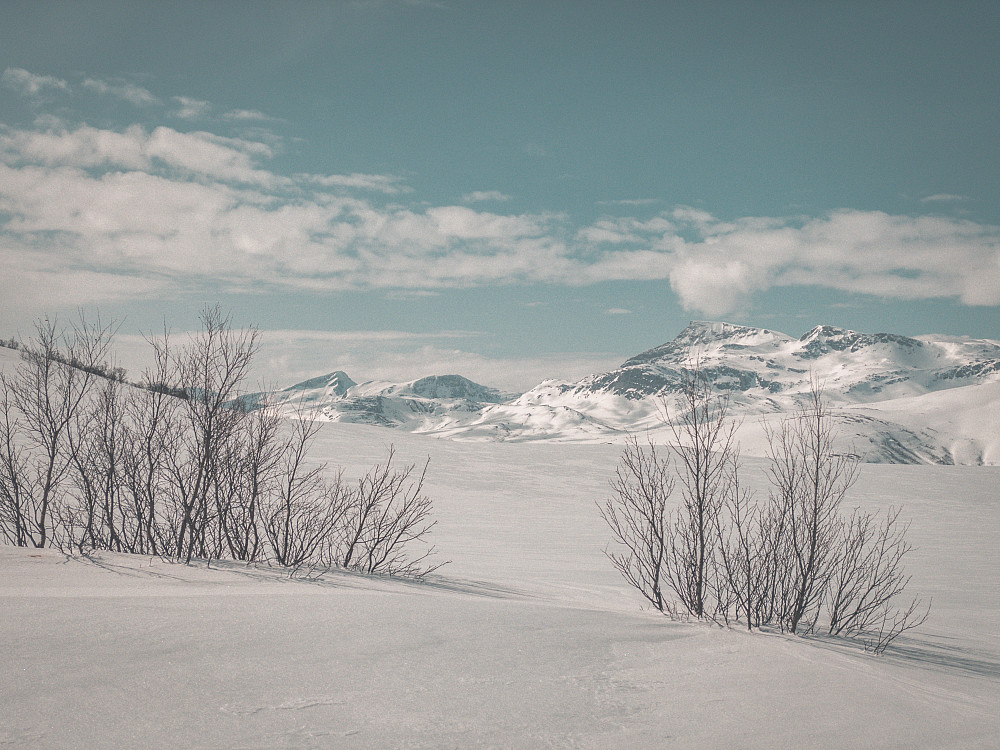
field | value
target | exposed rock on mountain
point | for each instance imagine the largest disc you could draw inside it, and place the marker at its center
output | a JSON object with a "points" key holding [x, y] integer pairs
{"points": [[897, 399]]}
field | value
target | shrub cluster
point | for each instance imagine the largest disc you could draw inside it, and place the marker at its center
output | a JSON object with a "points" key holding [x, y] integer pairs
{"points": [[795, 562], [181, 467]]}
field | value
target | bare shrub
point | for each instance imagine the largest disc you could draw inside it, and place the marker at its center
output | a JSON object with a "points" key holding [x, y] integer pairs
{"points": [[743, 583], [868, 578], [637, 517], [305, 508], [43, 404], [810, 481], [793, 562], [706, 458], [387, 514], [152, 420], [245, 477], [210, 369], [181, 464]]}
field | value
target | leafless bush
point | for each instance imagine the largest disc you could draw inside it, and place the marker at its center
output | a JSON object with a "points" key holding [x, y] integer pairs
{"points": [[153, 426], [210, 368], [98, 516], [743, 584], [179, 464], [868, 578], [43, 406], [793, 562], [306, 508], [388, 515], [810, 481], [706, 458], [637, 517], [245, 477]]}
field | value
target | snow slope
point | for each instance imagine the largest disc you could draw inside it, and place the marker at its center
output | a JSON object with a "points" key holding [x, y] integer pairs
{"points": [[897, 399], [411, 405], [930, 399], [527, 639]]}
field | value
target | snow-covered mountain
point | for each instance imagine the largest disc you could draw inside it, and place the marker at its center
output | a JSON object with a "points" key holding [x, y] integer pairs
{"points": [[897, 399], [415, 405]]}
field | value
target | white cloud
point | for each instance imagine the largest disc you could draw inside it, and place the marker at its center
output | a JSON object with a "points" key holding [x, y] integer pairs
{"points": [[617, 311], [381, 183], [123, 90], [622, 230], [481, 196], [943, 198], [191, 109], [243, 115], [199, 153], [867, 252], [31, 84], [631, 202], [139, 212]]}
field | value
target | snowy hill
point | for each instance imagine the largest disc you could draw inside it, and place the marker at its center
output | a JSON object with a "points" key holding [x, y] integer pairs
{"points": [[929, 399], [897, 399], [411, 405], [757, 366]]}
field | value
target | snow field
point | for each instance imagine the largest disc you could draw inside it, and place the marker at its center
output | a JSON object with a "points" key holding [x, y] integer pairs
{"points": [[527, 639]]}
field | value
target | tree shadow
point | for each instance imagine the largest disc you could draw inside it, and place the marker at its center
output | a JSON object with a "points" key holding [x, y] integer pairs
{"points": [[940, 653], [944, 654], [157, 568]]}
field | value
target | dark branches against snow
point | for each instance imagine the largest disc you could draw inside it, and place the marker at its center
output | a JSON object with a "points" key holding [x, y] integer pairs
{"points": [[793, 563], [182, 465]]}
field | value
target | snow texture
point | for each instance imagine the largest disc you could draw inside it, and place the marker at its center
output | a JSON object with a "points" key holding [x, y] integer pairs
{"points": [[527, 639]]}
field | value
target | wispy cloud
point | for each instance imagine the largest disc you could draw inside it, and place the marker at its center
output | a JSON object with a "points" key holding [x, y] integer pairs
{"points": [[482, 196], [140, 211], [31, 84], [248, 115], [123, 90], [867, 252], [943, 198], [191, 109], [196, 154], [631, 202], [617, 311], [382, 183]]}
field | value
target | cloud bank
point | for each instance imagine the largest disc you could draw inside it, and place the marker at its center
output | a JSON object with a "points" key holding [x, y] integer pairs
{"points": [[90, 213]]}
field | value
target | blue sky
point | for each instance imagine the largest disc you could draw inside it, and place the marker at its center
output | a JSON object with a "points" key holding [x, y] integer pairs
{"points": [[505, 190]]}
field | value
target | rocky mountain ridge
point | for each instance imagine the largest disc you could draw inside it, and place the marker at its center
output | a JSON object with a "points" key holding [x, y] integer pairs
{"points": [[888, 391]]}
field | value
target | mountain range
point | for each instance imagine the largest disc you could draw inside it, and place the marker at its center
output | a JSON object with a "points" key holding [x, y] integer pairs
{"points": [[927, 399]]}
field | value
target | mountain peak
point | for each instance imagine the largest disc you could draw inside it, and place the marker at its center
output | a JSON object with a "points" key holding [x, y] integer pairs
{"points": [[824, 339], [828, 332], [705, 331], [335, 382], [454, 386], [701, 334]]}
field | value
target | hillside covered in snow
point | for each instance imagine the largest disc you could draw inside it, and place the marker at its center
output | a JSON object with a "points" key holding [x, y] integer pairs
{"points": [[929, 399], [528, 639]]}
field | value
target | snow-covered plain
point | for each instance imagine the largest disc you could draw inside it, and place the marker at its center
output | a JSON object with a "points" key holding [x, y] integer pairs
{"points": [[527, 639]]}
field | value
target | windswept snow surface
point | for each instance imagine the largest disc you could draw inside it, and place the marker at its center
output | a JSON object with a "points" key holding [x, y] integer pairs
{"points": [[527, 639]]}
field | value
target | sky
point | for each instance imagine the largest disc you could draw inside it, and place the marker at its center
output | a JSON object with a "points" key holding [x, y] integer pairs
{"points": [[510, 191]]}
